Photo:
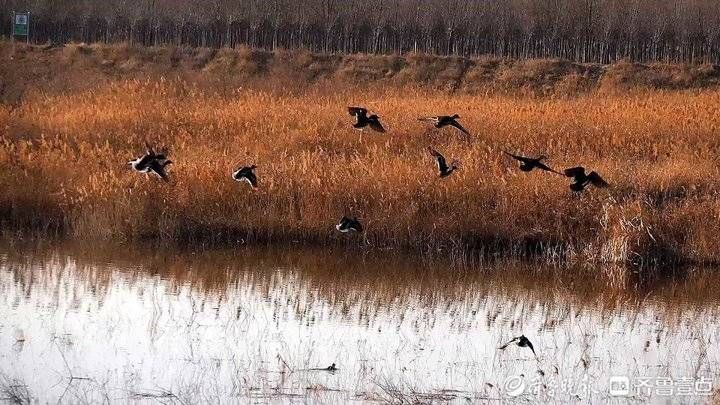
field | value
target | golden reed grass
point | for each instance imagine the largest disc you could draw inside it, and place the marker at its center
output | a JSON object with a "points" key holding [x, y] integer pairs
{"points": [[63, 168]]}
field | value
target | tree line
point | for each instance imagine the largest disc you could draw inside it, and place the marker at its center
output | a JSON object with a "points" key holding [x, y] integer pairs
{"points": [[678, 31]]}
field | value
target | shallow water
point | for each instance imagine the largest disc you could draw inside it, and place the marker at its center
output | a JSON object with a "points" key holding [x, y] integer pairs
{"points": [[114, 324]]}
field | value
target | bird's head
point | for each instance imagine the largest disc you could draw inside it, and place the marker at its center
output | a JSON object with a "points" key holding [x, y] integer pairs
{"points": [[456, 116], [542, 157], [253, 167], [374, 117]]}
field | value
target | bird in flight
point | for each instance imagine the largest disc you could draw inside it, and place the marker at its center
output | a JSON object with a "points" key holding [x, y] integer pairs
{"points": [[521, 341], [349, 225], [363, 120], [441, 121], [527, 164], [246, 174], [151, 162], [442, 165], [582, 180]]}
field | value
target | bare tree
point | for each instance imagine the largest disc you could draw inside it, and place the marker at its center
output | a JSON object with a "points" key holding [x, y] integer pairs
{"points": [[582, 30]]}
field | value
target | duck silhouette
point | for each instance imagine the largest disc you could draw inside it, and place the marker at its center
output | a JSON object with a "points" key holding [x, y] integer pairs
{"points": [[151, 162], [521, 341], [347, 224], [441, 121], [527, 164], [246, 174], [582, 180], [442, 165], [363, 120]]}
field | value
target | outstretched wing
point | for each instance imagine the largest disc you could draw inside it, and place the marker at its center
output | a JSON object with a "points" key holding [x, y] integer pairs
{"points": [[543, 166], [357, 111], [442, 164], [430, 119], [596, 180], [159, 169], [575, 171], [530, 345], [508, 343], [376, 125], [516, 157], [459, 127], [252, 179]]}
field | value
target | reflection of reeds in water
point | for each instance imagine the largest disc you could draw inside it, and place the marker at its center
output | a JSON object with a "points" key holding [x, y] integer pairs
{"points": [[249, 323], [370, 281], [655, 148]]}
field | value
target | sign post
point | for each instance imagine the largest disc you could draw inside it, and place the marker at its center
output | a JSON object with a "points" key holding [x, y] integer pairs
{"points": [[21, 25]]}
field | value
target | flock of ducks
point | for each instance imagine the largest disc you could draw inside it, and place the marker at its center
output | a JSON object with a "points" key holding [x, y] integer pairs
{"points": [[155, 163]]}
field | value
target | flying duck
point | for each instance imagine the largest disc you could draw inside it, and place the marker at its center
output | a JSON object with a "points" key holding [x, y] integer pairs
{"points": [[246, 174], [363, 120], [441, 121], [582, 180], [349, 224], [522, 341], [443, 168], [157, 167], [527, 164], [151, 162]]}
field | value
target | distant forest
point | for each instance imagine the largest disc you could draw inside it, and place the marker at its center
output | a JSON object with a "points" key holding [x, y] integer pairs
{"points": [[681, 31]]}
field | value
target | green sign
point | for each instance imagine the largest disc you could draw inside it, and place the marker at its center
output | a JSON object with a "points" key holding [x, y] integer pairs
{"points": [[21, 24]]}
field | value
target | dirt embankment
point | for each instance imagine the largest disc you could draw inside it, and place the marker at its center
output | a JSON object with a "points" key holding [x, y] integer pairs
{"points": [[78, 66]]}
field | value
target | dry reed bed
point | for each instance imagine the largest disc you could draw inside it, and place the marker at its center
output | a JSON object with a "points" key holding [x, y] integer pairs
{"points": [[63, 169]]}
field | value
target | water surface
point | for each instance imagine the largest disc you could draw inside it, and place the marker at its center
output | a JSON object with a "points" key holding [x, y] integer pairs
{"points": [[114, 324]]}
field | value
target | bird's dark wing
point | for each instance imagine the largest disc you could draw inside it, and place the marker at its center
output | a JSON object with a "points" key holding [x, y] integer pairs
{"points": [[252, 178], [357, 111], [596, 180], [376, 125], [543, 166], [508, 343], [158, 169], [530, 345], [457, 125], [516, 157], [442, 164], [144, 161], [357, 225], [575, 171]]}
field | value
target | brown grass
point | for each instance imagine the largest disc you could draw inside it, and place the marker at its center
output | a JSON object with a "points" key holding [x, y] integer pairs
{"points": [[63, 154]]}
